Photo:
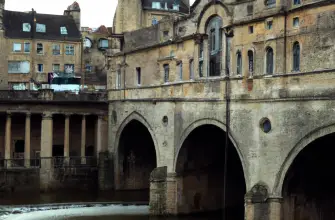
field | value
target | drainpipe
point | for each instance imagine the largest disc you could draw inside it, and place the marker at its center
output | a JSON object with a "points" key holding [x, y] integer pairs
{"points": [[81, 62], [33, 44]]}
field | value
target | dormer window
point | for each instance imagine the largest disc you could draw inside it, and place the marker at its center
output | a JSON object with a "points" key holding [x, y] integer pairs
{"points": [[156, 5], [63, 31], [41, 28], [103, 43], [175, 7], [26, 27]]}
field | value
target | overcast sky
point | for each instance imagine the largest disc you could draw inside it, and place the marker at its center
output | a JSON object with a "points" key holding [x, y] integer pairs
{"points": [[93, 13]]}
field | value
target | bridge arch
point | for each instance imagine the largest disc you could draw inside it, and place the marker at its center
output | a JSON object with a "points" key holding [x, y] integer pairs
{"points": [[305, 141], [199, 166], [136, 153], [306, 178]]}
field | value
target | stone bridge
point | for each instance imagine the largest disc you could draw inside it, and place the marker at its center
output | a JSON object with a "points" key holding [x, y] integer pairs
{"points": [[255, 146]]}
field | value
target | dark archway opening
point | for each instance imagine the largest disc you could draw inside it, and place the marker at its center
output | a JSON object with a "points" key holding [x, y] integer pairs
{"points": [[137, 157], [200, 171], [308, 190], [89, 151]]}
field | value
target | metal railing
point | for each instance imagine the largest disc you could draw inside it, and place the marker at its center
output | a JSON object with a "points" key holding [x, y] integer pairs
{"points": [[55, 162]]}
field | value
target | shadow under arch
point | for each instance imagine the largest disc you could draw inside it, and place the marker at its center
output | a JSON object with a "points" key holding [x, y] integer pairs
{"points": [[302, 143], [128, 160], [222, 126], [138, 117], [203, 183]]}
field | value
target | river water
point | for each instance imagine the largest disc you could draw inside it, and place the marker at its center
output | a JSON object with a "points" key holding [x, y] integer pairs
{"points": [[22, 201]]}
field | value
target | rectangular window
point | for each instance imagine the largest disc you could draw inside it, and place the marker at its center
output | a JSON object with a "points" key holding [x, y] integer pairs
{"points": [[271, 3], [103, 43], [55, 49], [118, 79], [269, 25], [41, 28], [156, 5], [56, 68], [69, 49], [180, 70], [88, 68], [296, 22], [69, 69], [166, 72], [251, 29], [26, 27], [191, 69], [17, 47], [138, 75], [40, 68], [26, 47], [63, 30], [201, 69], [18, 67], [39, 48]]}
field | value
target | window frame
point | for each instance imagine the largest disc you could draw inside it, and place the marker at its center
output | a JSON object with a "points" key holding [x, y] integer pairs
{"points": [[296, 56], [41, 52], [166, 68], [17, 51], [239, 63], [24, 47], [53, 49], [251, 64], [267, 60], [118, 79], [138, 76], [40, 65], [55, 64], [69, 48]]}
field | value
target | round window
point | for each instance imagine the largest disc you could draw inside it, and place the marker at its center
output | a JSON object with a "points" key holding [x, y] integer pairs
{"points": [[265, 125]]}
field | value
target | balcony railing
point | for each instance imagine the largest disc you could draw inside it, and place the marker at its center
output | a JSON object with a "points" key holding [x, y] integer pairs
{"points": [[53, 162], [50, 95]]}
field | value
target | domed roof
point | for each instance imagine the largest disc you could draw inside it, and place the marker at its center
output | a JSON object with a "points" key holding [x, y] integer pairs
{"points": [[74, 7]]}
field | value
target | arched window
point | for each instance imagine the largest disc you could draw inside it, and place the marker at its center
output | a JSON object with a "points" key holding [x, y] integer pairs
{"points": [[251, 62], [296, 56], [269, 61], [215, 46], [238, 63]]}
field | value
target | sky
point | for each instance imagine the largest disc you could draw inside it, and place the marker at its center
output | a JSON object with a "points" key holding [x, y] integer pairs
{"points": [[93, 13]]}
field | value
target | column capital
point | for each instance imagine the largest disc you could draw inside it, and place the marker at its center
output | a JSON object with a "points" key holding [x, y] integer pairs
{"points": [[28, 114], [67, 115], [100, 116], [9, 114], [47, 115]]}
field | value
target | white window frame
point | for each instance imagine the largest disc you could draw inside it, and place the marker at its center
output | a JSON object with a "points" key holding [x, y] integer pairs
{"points": [[19, 63], [53, 67], [42, 51], [15, 45], [53, 46], [24, 47], [69, 49], [118, 79]]}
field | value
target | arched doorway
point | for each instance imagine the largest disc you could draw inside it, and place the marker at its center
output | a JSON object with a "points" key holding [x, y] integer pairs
{"points": [[201, 178], [136, 157], [308, 189]]}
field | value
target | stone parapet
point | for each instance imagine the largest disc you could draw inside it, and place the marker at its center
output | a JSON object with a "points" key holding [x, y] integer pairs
{"points": [[50, 95]]}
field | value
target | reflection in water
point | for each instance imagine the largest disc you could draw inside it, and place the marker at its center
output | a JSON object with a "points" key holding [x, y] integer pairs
{"points": [[25, 198], [214, 216]]}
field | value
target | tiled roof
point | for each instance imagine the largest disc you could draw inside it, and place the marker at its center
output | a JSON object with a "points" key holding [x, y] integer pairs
{"points": [[183, 6], [13, 24]]}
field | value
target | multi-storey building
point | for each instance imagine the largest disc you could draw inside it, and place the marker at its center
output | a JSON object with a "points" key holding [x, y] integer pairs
{"points": [[40, 44], [228, 107]]}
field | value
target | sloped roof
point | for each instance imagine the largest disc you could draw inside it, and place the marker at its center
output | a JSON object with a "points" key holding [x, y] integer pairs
{"points": [[102, 30], [183, 7], [13, 23], [74, 7]]}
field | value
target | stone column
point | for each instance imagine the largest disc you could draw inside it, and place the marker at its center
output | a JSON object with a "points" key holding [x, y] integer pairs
{"points": [[83, 140], [98, 135], [8, 139], [27, 141], [206, 58], [265, 210], [67, 137], [46, 171]]}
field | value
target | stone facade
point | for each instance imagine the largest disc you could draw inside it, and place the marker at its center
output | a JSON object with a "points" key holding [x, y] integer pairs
{"points": [[267, 86]]}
